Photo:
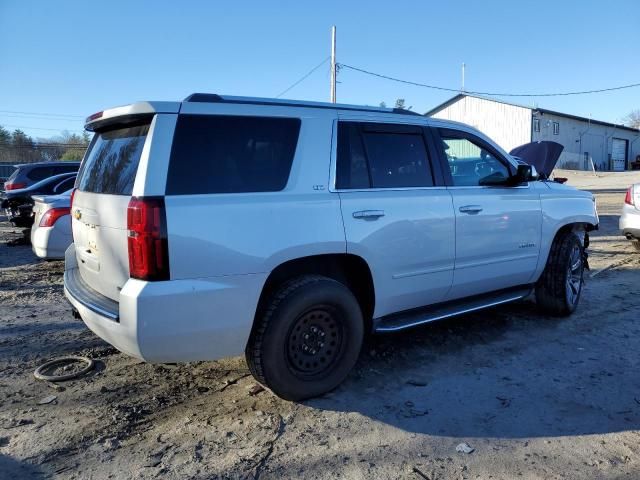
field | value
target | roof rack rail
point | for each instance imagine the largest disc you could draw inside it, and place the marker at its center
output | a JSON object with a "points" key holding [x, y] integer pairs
{"points": [[215, 98]]}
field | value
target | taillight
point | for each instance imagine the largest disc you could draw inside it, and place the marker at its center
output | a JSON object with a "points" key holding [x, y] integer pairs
{"points": [[14, 186], [52, 215], [628, 198], [147, 239]]}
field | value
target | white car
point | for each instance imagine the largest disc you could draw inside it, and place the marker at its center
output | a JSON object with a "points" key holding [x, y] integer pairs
{"points": [[287, 230], [51, 230], [630, 218]]}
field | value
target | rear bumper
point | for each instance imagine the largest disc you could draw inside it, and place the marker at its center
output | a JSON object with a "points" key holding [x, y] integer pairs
{"points": [[49, 242], [630, 221], [172, 321]]}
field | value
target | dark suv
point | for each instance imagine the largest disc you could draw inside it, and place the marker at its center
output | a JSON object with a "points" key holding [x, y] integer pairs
{"points": [[29, 173]]}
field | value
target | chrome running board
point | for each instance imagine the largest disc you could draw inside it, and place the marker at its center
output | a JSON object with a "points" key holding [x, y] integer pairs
{"points": [[418, 316]]}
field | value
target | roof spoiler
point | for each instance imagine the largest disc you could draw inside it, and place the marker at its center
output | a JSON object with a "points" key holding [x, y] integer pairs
{"points": [[128, 114]]}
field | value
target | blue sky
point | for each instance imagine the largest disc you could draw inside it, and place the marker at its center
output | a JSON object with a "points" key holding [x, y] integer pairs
{"points": [[76, 57]]}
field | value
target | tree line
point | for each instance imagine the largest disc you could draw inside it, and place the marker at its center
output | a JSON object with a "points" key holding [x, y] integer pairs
{"points": [[18, 147]]}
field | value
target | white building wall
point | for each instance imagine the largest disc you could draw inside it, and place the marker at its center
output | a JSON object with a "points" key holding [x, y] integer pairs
{"points": [[508, 125], [585, 142]]}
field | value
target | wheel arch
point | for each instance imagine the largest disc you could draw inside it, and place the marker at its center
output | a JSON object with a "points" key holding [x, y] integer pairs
{"points": [[572, 225], [351, 270]]}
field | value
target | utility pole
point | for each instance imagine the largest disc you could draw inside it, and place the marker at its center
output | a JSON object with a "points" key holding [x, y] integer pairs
{"points": [[333, 64], [463, 67]]}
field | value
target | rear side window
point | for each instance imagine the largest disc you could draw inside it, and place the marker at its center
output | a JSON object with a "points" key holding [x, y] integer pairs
{"points": [[111, 163], [231, 154], [65, 169], [40, 173], [381, 156]]}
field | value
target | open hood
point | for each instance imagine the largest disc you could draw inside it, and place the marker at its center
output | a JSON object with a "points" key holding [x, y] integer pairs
{"points": [[542, 155]]}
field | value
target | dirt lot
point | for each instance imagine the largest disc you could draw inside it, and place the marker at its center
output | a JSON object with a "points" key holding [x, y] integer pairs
{"points": [[536, 397]]}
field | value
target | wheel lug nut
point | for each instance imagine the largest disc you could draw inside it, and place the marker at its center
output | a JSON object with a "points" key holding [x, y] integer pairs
{"points": [[322, 334], [306, 336], [320, 345]]}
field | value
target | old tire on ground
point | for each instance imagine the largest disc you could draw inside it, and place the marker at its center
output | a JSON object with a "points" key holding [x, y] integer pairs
{"points": [[307, 338], [558, 290]]}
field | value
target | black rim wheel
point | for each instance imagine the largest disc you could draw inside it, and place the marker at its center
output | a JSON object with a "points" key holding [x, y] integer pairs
{"points": [[574, 275], [315, 342]]}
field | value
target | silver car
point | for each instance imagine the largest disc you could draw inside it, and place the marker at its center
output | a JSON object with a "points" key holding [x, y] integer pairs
{"points": [[51, 231], [630, 218], [286, 230]]}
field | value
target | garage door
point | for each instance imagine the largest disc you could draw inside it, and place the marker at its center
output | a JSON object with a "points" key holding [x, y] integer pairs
{"points": [[619, 154]]}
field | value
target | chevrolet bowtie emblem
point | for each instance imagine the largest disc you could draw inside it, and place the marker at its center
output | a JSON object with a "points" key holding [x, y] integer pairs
{"points": [[77, 214]]}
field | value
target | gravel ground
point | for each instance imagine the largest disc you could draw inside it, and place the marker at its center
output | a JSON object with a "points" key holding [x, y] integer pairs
{"points": [[535, 397]]}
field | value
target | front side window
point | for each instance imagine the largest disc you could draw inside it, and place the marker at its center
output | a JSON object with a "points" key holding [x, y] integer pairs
{"points": [[556, 128], [372, 156], [231, 154], [471, 161]]}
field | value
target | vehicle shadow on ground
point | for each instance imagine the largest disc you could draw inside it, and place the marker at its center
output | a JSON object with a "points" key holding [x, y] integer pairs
{"points": [[12, 468], [608, 226], [16, 255], [507, 372]]}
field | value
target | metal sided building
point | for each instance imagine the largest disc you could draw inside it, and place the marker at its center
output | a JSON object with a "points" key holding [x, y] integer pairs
{"points": [[588, 144]]}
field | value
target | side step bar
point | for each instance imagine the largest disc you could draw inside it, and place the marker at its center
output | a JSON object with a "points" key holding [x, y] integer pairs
{"points": [[418, 316]]}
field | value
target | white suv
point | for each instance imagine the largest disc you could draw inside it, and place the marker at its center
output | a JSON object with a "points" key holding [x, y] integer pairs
{"points": [[288, 230]]}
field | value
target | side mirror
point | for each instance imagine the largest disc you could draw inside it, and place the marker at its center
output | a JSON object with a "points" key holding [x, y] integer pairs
{"points": [[525, 173]]}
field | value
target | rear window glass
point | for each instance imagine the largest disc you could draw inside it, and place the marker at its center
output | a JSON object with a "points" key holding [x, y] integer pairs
{"points": [[13, 175], [231, 154], [111, 163]]}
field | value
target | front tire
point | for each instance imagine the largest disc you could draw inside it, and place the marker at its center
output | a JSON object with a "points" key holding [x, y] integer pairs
{"points": [[559, 288], [307, 338]]}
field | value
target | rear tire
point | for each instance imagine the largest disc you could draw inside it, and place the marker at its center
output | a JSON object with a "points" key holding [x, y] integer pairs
{"points": [[306, 339], [559, 288]]}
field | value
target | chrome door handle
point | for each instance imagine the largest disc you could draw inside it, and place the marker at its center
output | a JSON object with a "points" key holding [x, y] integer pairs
{"points": [[369, 214], [471, 209]]}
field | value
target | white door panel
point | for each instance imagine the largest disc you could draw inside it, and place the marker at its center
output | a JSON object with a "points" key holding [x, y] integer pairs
{"points": [[407, 238], [497, 238]]}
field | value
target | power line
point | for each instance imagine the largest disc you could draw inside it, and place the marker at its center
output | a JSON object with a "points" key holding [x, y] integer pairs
{"points": [[32, 117], [42, 128], [303, 77], [44, 114], [457, 90], [36, 146]]}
